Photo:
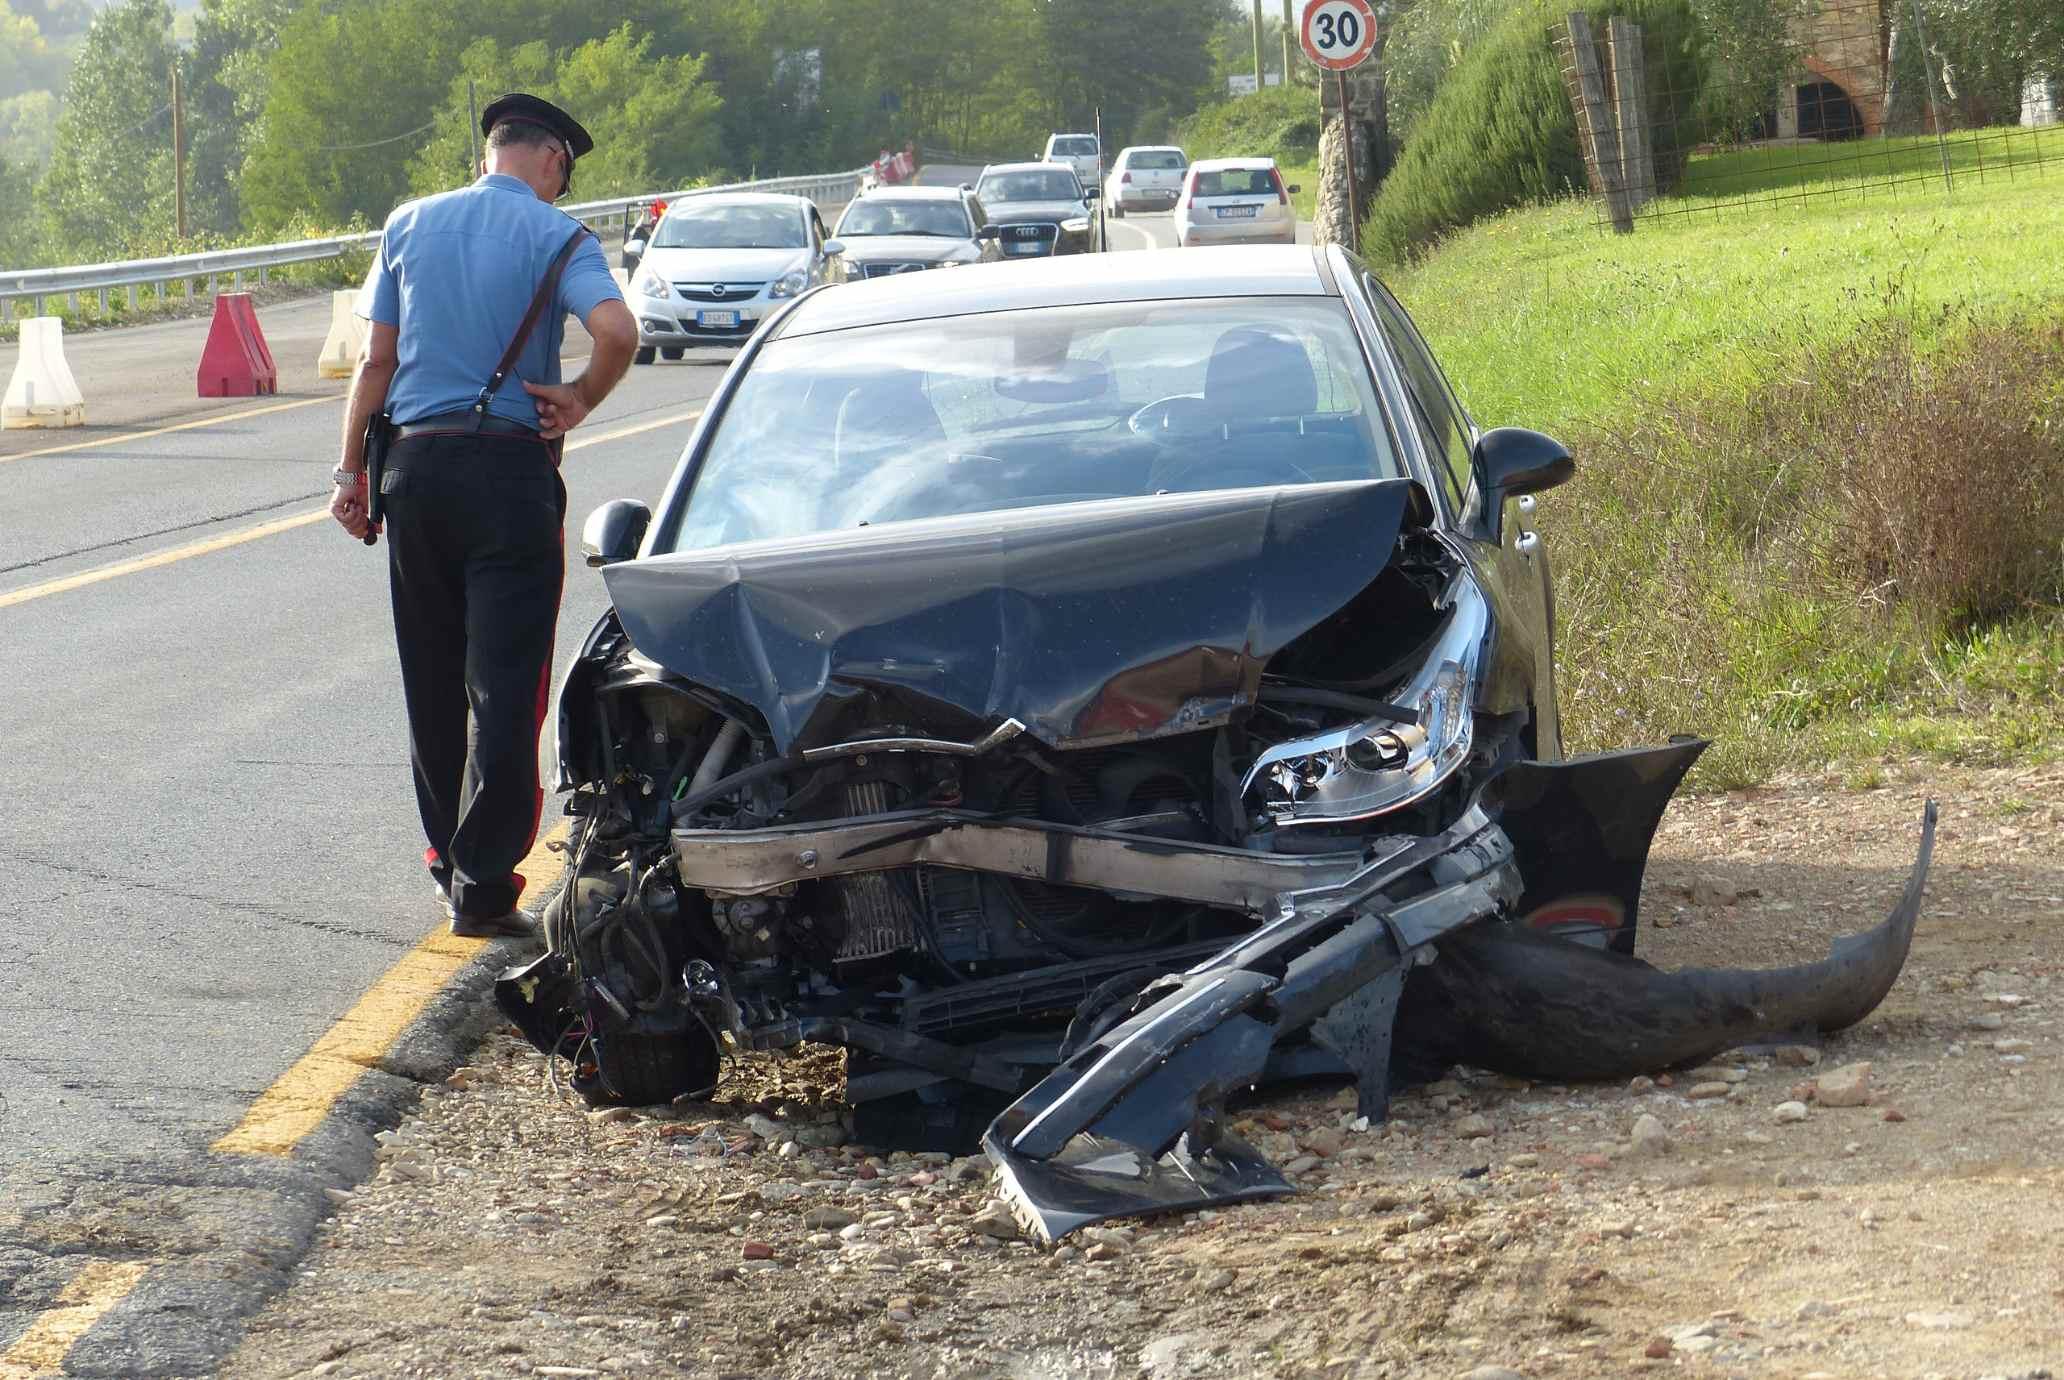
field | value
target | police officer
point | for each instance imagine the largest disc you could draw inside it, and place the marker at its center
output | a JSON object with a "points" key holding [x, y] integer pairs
{"points": [[473, 502]]}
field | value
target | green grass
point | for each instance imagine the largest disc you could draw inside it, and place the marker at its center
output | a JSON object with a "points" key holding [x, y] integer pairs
{"points": [[1547, 321], [1739, 386], [1859, 169]]}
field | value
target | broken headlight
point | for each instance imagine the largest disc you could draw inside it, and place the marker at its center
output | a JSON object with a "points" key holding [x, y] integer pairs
{"points": [[1383, 763]]}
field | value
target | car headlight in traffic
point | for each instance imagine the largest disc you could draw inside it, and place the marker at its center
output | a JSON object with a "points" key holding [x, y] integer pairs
{"points": [[1382, 764], [650, 284], [789, 283], [1077, 226]]}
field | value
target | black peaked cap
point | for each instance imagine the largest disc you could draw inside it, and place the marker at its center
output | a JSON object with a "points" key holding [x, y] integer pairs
{"points": [[518, 105]]}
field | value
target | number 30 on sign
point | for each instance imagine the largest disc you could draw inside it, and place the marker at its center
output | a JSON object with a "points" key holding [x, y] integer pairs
{"points": [[1339, 34]]}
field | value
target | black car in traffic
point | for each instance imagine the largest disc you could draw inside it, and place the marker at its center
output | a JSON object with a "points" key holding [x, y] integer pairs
{"points": [[1038, 210]]}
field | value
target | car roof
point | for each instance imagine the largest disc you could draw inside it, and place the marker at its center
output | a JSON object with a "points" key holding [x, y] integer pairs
{"points": [[1231, 164], [1150, 148], [1038, 165], [794, 203], [912, 193], [1069, 134], [1068, 280]]}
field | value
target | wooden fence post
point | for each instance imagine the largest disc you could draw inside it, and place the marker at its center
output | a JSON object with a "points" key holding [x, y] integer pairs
{"points": [[1630, 106], [1595, 123]]}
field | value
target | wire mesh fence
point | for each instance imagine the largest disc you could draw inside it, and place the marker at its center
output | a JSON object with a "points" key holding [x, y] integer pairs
{"points": [[1842, 99]]}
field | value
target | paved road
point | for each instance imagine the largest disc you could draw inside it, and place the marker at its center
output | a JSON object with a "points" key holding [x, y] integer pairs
{"points": [[211, 850]]}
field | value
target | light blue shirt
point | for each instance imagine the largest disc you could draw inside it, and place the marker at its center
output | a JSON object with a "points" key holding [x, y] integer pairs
{"points": [[454, 274]]}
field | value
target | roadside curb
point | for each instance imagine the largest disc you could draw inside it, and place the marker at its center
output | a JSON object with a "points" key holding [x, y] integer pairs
{"points": [[223, 1233]]}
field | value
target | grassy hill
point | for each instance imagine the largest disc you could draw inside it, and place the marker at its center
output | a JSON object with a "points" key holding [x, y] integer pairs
{"points": [[1821, 461]]}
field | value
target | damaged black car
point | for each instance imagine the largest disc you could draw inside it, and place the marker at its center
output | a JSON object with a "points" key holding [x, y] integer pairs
{"points": [[1087, 691]]}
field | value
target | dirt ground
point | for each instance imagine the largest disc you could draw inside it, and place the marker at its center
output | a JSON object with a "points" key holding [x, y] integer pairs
{"points": [[1490, 1229]]}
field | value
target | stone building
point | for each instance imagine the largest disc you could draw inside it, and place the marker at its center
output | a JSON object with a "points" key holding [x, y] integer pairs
{"points": [[1845, 87]]}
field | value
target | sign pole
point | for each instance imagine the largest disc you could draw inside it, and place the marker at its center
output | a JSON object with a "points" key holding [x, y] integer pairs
{"points": [[1354, 217], [472, 133]]}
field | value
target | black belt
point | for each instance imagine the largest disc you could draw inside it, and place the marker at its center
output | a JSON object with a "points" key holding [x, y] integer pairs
{"points": [[465, 423]]}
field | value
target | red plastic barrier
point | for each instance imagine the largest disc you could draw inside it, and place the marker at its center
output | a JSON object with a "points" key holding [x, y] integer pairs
{"points": [[235, 363]]}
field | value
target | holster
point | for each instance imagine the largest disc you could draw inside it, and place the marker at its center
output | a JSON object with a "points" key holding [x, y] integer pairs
{"points": [[379, 438]]}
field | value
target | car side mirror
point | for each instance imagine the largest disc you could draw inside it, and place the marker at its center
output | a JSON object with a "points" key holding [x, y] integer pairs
{"points": [[634, 247], [989, 232], [1511, 461], [1093, 193], [614, 531], [1294, 189], [834, 246]]}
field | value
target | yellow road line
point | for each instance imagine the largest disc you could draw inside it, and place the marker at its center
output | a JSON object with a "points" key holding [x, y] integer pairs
{"points": [[194, 425], [301, 1097], [177, 553], [93, 1291], [208, 546]]}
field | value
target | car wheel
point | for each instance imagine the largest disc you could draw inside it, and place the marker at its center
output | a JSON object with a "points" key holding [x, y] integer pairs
{"points": [[673, 352], [644, 355]]}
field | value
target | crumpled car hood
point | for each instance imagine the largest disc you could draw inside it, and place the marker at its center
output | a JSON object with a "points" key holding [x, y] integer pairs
{"points": [[1088, 622]]}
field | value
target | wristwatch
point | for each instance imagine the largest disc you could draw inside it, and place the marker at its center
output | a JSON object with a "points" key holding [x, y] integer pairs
{"points": [[344, 478]]}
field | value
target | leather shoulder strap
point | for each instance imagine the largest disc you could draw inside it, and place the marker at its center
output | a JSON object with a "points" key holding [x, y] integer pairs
{"points": [[547, 291]]}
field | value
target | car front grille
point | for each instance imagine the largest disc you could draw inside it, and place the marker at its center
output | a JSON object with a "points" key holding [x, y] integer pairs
{"points": [[707, 292], [890, 268], [1045, 234]]}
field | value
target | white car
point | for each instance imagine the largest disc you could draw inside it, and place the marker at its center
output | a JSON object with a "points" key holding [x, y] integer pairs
{"points": [[1235, 201], [1080, 152], [716, 265], [1146, 177]]}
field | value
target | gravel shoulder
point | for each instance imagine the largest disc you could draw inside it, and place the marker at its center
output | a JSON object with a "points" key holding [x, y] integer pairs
{"points": [[1490, 1229]]}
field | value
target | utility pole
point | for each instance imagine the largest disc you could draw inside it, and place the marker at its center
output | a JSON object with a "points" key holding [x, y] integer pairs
{"points": [[178, 157], [472, 134], [1289, 37], [1259, 77]]}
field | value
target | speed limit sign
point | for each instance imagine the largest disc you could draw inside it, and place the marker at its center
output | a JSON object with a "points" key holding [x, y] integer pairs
{"points": [[1339, 34]]}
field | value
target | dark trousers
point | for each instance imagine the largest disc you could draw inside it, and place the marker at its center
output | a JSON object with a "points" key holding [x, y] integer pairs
{"points": [[476, 560]]}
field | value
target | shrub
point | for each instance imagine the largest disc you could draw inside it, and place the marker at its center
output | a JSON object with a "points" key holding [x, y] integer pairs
{"points": [[1500, 133], [1836, 540], [1279, 122]]}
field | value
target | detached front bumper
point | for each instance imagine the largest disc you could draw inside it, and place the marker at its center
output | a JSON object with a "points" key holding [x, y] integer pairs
{"points": [[1132, 1122]]}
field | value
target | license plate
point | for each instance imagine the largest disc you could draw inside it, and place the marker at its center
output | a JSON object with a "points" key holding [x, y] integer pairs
{"points": [[716, 318], [1028, 247], [1236, 212]]}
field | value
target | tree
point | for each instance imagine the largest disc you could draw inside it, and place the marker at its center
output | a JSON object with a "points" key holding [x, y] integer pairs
{"points": [[28, 130], [229, 74], [654, 119], [109, 186]]}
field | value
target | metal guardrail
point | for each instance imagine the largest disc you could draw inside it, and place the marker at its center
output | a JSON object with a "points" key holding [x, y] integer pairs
{"points": [[36, 284]]}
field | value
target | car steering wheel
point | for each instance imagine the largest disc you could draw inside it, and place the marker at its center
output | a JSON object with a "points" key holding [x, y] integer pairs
{"points": [[1264, 471], [1171, 421]]}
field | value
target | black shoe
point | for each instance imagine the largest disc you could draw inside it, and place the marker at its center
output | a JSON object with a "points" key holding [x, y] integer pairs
{"points": [[512, 924]]}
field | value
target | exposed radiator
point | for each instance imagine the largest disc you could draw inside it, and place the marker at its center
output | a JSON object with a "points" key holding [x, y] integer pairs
{"points": [[874, 907]]}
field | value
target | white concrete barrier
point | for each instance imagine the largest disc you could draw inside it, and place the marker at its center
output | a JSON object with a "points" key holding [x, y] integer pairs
{"points": [[341, 347], [42, 391]]}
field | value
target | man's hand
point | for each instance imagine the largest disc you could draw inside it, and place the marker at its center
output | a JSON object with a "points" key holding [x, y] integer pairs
{"points": [[348, 506], [560, 407]]}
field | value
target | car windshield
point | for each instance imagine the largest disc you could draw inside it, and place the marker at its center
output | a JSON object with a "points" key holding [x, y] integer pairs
{"points": [[1236, 182], [1079, 146], [905, 217], [1029, 186], [732, 226], [1156, 160], [973, 414]]}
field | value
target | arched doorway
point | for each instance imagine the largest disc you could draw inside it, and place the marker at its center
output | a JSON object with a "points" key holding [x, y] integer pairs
{"points": [[1826, 112]]}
